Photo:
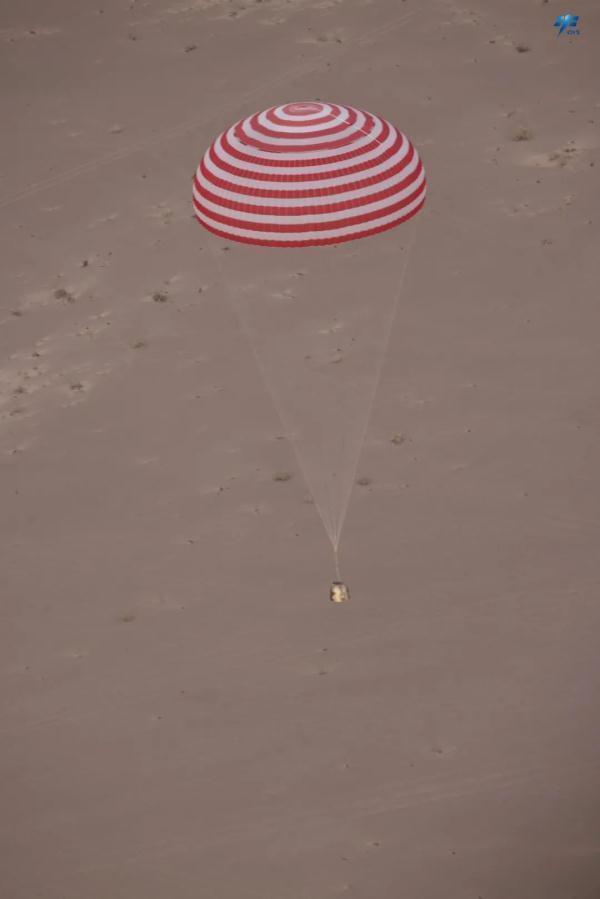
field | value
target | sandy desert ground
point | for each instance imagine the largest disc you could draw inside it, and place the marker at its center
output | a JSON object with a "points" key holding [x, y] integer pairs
{"points": [[185, 715]]}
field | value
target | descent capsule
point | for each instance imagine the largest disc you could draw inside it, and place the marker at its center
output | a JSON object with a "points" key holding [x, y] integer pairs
{"points": [[338, 592]]}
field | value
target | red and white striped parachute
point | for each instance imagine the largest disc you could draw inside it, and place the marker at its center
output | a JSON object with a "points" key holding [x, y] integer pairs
{"points": [[308, 174]]}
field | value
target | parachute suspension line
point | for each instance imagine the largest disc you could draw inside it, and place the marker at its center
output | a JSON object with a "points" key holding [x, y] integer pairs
{"points": [[341, 480], [379, 370], [336, 561], [336, 477], [337, 509], [324, 514], [329, 506]]}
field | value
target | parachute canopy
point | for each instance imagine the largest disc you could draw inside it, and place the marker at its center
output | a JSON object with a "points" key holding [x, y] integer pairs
{"points": [[308, 174]]}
